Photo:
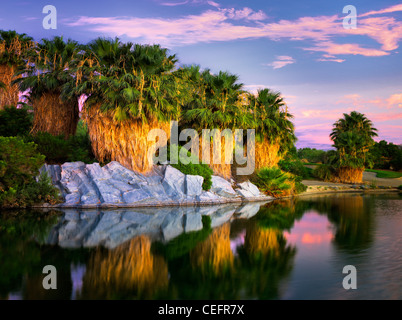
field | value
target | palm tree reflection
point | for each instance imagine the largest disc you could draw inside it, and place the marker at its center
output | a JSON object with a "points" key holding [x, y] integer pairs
{"points": [[128, 271]]}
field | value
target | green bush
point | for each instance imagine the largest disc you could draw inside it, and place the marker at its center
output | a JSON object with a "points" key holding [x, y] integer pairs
{"points": [[295, 167], [324, 172], [59, 150], [15, 122], [400, 187], [273, 181], [55, 148], [32, 193], [191, 168], [19, 162], [312, 155]]}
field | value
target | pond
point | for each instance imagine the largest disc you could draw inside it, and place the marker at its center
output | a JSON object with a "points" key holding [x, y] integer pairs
{"points": [[286, 249]]}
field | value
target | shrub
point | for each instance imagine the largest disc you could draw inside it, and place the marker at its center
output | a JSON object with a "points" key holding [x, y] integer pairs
{"points": [[400, 187], [295, 167], [59, 150], [273, 181], [324, 172], [34, 192], [55, 148], [15, 122], [19, 162], [200, 169], [40, 191]]}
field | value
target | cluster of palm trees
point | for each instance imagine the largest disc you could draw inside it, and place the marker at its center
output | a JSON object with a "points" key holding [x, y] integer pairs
{"points": [[131, 89]]}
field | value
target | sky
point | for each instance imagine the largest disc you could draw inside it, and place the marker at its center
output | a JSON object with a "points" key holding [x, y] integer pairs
{"points": [[304, 49]]}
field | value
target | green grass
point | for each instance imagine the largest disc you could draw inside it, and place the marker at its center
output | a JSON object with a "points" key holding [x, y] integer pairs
{"points": [[386, 174]]}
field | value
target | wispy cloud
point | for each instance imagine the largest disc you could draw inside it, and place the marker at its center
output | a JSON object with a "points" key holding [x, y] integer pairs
{"points": [[173, 4], [394, 8], [227, 24], [281, 61]]}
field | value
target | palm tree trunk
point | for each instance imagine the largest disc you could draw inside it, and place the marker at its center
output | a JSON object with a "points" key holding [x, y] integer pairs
{"points": [[9, 94], [222, 169], [55, 116], [124, 141], [350, 175], [267, 154]]}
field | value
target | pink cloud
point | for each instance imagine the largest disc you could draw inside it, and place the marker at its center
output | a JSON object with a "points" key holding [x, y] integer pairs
{"points": [[395, 100], [281, 62], [394, 8], [245, 13], [346, 48], [332, 60], [173, 4], [215, 25]]}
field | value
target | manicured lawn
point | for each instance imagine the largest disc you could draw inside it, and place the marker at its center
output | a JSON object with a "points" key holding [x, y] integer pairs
{"points": [[386, 174]]}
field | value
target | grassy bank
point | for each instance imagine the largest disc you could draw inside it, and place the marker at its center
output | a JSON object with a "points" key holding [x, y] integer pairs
{"points": [[386, 174]]}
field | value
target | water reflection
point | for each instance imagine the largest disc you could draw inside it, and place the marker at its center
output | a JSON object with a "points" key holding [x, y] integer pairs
{"points": [[289, 249], [129, 271], [214, 254]]}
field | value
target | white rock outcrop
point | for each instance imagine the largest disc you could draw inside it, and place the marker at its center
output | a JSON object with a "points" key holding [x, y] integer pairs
{"points": [[90, 185]]}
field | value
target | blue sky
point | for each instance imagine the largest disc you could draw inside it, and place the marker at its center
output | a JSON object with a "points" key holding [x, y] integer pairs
{"points": [[297, 47]]}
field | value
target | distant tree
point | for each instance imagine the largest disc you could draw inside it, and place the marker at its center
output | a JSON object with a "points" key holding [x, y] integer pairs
{"points": [[386, 155], [312, 155]]}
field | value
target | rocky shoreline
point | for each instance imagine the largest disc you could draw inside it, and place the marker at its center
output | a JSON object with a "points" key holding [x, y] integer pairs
{"points": [[114, 186]]}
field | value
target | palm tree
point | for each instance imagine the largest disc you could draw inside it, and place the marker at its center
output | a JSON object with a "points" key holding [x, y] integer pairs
{"points": [[215, 103], [131, 90], [48, 79], [13, 50], [353, 136], [274, 128], [354, 121]]}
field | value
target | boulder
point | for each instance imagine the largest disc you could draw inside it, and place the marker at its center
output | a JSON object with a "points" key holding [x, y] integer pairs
{"points": [[250, 188], [222, 187], [193, 186], [174, 183]]}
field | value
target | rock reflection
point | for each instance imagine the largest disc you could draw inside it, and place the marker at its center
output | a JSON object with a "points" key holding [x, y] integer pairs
{"points": [[128, 271]]}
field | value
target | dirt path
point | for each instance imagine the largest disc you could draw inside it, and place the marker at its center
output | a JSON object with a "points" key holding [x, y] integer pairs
{"points": [[371, 176]]}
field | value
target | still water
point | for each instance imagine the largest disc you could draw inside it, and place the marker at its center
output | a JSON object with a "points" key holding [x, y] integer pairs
{"points": [[293, 249]]}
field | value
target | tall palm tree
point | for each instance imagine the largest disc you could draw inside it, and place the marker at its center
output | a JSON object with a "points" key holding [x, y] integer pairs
{"points": [[131, 90], [354, 121], [215, 103], [353, 136], [274, 128], [47, 79], [13, 50]]}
